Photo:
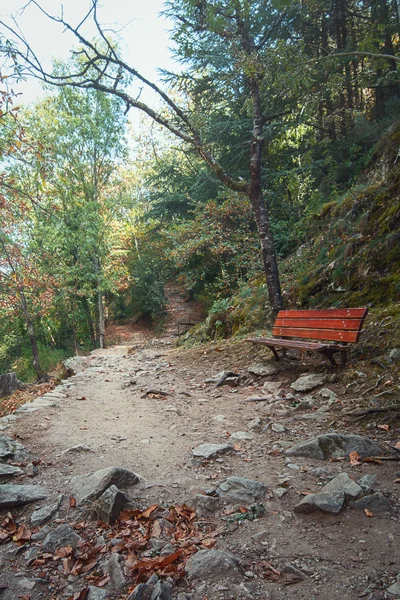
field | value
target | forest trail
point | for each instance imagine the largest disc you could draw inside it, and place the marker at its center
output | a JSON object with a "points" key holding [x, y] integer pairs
{"points": [[145, 405]]}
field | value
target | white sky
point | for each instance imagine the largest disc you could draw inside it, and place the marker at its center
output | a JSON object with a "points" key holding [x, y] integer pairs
{"points": [[144, 34]]}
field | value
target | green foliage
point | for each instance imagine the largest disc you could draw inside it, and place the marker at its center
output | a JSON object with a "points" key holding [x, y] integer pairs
{"points": [[146, 292], [49, 359]]}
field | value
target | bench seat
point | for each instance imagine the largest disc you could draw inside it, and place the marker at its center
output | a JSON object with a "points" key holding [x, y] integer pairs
{"points": [[330, 325]]}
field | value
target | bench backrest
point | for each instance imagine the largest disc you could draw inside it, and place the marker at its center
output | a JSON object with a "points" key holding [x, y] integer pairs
{"points": [[334, 324]]}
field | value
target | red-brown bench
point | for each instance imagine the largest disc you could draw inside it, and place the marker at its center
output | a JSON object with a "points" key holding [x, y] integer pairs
{"points": [[341, 325]]}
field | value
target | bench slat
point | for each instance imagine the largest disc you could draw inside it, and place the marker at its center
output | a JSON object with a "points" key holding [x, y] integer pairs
{"points": [[287, 343], [347, 324], [317, 334], [337, 313]]}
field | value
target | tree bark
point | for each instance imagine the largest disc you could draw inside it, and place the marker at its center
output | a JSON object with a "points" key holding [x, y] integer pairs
{"points": [[86, 308], [100, 307], [32, 338]]}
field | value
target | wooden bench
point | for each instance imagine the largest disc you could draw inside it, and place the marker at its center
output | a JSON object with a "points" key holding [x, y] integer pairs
{"points": [[332, 325]]}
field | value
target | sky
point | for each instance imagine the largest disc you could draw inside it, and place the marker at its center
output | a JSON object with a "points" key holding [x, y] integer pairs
{"points": [[143, 34]]}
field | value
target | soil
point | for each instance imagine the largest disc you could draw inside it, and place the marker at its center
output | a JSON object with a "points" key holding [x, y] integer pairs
{"points": [[143, 404]]}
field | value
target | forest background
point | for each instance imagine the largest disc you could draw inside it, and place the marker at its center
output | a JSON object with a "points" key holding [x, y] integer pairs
{"points": [[275, 147]]}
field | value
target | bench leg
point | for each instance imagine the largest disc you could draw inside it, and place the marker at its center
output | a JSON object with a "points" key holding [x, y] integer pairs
{"points": [[275, 352], [329, 356], [343, 357]]}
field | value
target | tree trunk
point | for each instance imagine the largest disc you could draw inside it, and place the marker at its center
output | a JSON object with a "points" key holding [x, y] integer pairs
{"points": [[86, 308], [32, 338], [100, 306], [260, 208]]}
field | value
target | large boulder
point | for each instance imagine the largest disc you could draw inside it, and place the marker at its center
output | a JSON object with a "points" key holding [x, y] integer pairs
{"points": [[9, 384], [17, 495], [90, 486], [334, 445]]}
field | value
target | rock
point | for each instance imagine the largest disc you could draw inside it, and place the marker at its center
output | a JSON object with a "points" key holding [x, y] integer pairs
{"points": [[241, 490], [374, 502], [395, 587], [212, 565], [110, 504], [330, 502], [211, 450], [26, 584], [75, 364], [63, 535], [255, 423], [91, 486], [16, 495], [270, 387], [343, 483], [205, 504], [394, 355], [141, 592], [327, 393], [290, 569], [42, 515], [280, 491], [96, 593], [241, 435], [9, 470], [277, 427], [9, 447], [9, 384], [77, 449], [162, 591], [335, 445], [264, 370], [367, 482], [115, 570], [306, 383]]}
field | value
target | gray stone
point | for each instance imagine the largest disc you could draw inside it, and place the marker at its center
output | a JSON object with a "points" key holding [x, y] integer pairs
{"points": [[212, 565], [75, 364], [90, 486], [366, 482], [394, 355], [26, 584], [8, 446], [241, 490], [280, 491], [110, 504], [140, 592], [16, 495], [374, 502], [9, 470], [290, 569], [327, 393], [343, 483], [335, 445], [42, 515], [255, 423], [395, 587], [62, 536], [330, 502], [162, 591], [211, 450], [77, 449], [277, 428], [306, 383], [9, 384], [96, 593], [241, 435], [115, 570], [206, 504], [264, 370], [270, 387]]}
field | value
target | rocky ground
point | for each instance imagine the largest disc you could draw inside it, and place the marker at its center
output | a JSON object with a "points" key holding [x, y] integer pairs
{"points": [[157, 472]]}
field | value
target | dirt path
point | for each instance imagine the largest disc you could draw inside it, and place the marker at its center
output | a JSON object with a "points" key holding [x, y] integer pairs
{"points": [[145, 404]]}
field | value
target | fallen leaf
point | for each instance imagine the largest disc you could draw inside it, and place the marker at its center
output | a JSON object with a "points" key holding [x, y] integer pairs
{"points": [[146, 513], [337, 458], [23, 534], [82, 428], [237, 447], [209, 542], [64, 552], [371, 459], [81, 595], [396, 481], [368, 512], [384, 427], [72, 502], [353, 458], [397, 445]]}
